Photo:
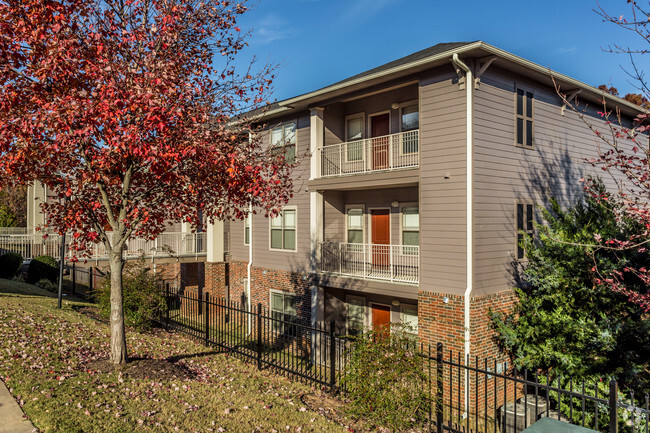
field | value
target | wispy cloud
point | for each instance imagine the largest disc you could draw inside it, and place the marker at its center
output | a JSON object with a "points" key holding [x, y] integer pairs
{"points": [[271, 28], [566, 50], [362, 10]]}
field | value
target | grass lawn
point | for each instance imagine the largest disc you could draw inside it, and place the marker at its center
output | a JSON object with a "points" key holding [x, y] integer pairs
{"points": [[52, 361]]}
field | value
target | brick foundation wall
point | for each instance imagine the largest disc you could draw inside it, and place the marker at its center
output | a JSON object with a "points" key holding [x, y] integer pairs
{"points": [[264, 280], [215, 279], [444, 322]]}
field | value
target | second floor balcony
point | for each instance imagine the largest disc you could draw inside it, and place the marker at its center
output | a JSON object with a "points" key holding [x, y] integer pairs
{"points": [[388, 152], [397, 263]]}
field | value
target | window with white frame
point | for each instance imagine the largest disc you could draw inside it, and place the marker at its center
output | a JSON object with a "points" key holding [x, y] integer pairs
{"points": [[283, 312], [524, 118], [283, 140], [356, 316], [409, 318], [355, 225], [247, 230], [283, 230], [354, 138], [525, 226], [410, 229], [410, 121]]}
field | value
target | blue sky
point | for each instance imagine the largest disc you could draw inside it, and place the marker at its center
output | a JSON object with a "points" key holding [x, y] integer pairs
{"points": [[319, 42]]}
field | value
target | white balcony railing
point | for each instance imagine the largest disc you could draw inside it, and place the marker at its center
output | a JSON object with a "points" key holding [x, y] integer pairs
{"points": [[169, 244], [390, 152], [400, 263]]}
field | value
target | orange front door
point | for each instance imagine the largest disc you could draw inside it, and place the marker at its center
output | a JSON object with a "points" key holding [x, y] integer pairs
{"points": [[381, 318], [380, 127], [380, 237]]}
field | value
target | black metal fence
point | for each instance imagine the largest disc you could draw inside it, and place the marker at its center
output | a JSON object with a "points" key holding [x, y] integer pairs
{"points": [[466, 395]]}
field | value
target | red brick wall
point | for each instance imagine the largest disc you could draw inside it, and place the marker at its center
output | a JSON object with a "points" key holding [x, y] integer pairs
{"points": [[444, 322], [264, 280], [215, 279]]}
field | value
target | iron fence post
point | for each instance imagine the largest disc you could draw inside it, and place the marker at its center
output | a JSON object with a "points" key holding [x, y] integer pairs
{"points": [[168, 298], [439, 384], [259, 336], [613, 407], [207, 319], [332, 357]]}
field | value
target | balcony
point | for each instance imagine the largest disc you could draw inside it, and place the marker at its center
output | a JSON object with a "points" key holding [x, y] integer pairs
{"points": [[390, 152], [169, 244], [397, 263]]}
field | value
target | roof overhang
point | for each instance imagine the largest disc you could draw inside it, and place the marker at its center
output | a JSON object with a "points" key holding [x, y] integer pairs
{"points": [[477, 49]]}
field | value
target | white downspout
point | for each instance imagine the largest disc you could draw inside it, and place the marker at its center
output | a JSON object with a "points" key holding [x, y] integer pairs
{"points": [[469, 84], [250, 257]]}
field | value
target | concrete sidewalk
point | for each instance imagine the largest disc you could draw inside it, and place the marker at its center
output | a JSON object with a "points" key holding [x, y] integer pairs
{"points": [[12, 418]]}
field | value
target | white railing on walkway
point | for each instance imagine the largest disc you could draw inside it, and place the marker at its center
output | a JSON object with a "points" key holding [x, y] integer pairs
{"points": [[169, 244], [390, 152], [398, 263], [13, 230]]}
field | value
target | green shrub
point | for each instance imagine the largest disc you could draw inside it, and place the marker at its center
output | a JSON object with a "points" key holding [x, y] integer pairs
{"points": [[43, 267], [142, 292], [46, 284], [387, 381], [10, 264]]}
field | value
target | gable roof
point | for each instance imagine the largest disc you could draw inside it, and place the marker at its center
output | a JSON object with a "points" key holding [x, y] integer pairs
{"points": [[439, 54]]}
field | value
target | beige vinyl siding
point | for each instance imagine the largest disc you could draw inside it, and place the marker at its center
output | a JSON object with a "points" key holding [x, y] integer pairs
{"points": [[504, 173], [298, 260], [442, 201]]}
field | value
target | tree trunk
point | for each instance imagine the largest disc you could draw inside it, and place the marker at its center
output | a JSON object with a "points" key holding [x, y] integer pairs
{"points": [[118, 336]]}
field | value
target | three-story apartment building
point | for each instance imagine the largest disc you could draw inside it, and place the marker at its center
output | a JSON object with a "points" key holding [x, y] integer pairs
{"points": [[416, 180]]}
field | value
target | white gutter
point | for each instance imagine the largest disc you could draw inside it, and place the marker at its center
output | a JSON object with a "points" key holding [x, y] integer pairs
{"points": [[469, 85], [250, 256]]}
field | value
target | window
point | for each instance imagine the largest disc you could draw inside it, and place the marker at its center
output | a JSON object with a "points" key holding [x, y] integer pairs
{"points": [[410, 229], [409, 318], [247, 230], [354, 137], [356, 315], [410, 121], [283, 230], [524, 118], [283, 139], [355, 225], [525, 226], [283, 312]]}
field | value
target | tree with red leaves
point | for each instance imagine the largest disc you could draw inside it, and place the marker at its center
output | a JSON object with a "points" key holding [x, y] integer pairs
{"points": [[624, 155], [129, 111]]}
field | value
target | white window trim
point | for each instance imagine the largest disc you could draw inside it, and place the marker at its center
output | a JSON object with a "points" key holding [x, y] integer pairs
{"points": [[348, 298], [390, 224], [525, 89], [401, 219], [293, 207], [401, 315], [283, 293], [362, 116], [363, 219], [524, 202], [401, 129], [283, 125]]}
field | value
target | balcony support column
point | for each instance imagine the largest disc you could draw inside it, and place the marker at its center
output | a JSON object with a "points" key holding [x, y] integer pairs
{"points": [[214, 236], [317, 136]]}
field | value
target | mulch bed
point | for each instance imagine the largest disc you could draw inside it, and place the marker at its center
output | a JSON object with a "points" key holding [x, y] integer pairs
{"points": [[143, 368]]}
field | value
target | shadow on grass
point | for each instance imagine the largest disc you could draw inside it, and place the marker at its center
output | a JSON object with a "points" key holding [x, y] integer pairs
{"points": [[178, 357]]}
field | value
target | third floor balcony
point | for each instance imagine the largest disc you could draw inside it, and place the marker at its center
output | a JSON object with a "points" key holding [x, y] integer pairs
{"points": [[389, 152]]}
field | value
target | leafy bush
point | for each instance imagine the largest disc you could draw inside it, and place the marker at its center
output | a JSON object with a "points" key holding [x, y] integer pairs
{"points": [[386, 378], [564, 321], [46, 284], [43, 267], [10, 264], [142, 292]]}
